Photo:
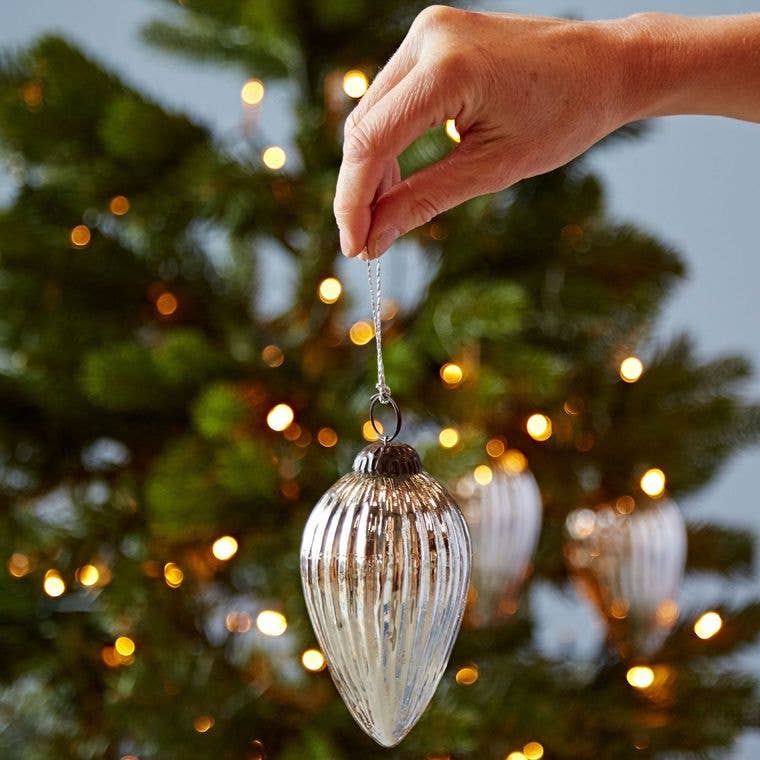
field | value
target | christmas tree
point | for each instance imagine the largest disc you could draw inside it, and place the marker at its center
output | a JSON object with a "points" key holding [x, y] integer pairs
{"points": [[163, 440]]}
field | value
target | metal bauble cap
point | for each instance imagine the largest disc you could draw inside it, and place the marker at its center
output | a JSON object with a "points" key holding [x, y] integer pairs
{"points": [[388, 458]]}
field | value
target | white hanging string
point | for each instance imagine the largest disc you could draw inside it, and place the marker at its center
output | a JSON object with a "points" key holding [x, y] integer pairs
{"points": [[383, 391]]}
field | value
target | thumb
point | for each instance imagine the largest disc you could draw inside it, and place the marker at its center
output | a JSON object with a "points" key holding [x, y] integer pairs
{"points": [[463, 174]]}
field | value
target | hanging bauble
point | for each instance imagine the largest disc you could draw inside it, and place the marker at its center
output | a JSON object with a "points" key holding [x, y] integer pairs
{"points": [[628, 559], [385, 565], [503, 513]]}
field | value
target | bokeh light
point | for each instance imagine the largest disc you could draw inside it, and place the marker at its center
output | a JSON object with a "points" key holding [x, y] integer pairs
{"points": [[369, 433], [280, 417], [80, 236], [124, 646], [173, 575], [539, 427], [448, 437], [272, 356], [88, 575], [708, 625], [533, 751], [467, 675], [224, 548], [19, 564], [640, 676], [483, 474], [252, 92], [361, 332], [330, 290], [53, 584], [166, 304], [514, 461], [203, 723], [653, 482], [313, 660], [495, 447], [271, 623], [631, 369], [274, 157], [355, 83], [327, 437], [452, 374], [119, 205]]}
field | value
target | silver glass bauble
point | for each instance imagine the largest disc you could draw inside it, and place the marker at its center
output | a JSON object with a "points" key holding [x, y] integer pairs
{"points": [[504, 518], [385, 565], [630, 566]]}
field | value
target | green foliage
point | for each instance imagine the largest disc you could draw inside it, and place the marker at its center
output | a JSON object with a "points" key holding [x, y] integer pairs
{"points": [[130, 438]]}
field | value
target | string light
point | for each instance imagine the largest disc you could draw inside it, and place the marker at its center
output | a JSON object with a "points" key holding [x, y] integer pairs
{"points": [[448, 438], [330, 290], [451, 374], [274, 157], [361, 332], [355, 83], [271, 623], [80, 236], [313, 660], [452, 131], [631, 369], [203, 723], [327, 437], [88, 575], [483, 474], [238, 622], [640, 676], [539, 427], [124, 646], [514, 461], [516, 755], [173, 575], [53, 584], [533, 751], [653, 482], [119, 205], [272, 356], [368, 432], [166, 304], [252, 92], [467, 675], [280, 417], [495, 447], [19, 565], [224, 548], [708, 625]]}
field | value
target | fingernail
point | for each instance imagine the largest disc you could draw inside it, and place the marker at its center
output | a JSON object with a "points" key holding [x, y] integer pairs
{"points": [[363, 255], [383, 242], [344, 243]]}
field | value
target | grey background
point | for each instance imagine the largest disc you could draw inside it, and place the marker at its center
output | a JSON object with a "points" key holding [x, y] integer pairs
{"points": [[694, 182]]}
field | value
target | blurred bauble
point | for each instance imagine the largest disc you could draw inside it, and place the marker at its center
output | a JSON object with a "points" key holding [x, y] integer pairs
{"points": [[628, 558], [385, 565], [504, 518]]}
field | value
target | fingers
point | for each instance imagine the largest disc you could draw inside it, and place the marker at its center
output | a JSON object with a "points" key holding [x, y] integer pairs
{"points": [[465, 173], [387, 128]]}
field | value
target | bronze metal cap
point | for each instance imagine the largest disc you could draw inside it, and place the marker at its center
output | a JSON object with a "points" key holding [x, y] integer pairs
{"points": [[394, 459]]}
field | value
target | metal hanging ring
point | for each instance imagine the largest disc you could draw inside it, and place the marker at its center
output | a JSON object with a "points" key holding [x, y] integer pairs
{"points": [[378, 399]]}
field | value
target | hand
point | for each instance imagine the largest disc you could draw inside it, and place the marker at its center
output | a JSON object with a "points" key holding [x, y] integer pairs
{"points": [[528, 94]]}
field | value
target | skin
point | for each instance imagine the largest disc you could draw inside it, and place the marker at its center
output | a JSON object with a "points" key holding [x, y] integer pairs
{"points": [[528, 95]]}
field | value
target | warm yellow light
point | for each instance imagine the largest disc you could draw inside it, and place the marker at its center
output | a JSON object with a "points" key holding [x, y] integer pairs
{"points": [[495, 447], [369, 433], [361, 332], [467, 675], [448, 438], [708, 625], [653, 482], [252, 92], [631, 369], [533, 751], [129, 757], [272, 356], [203, 723], [451, 374], [31, 92], [330, 290], [273, 157], [483, 474], [19, 565], [80, 236], [173, 575], [53, 584], [124, 646], [539, 427], [640, 676], [280, 417], [355, 83], [313, 660], [514, 461], [516, 755], [327, 437], [88, 575], [271, 623], [224, 548], [238, 622], [166, 304], [119, 205], [452, 131]]}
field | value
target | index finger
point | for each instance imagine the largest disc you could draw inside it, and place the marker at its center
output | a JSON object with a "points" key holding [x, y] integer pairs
{"points": [[395, 121]]}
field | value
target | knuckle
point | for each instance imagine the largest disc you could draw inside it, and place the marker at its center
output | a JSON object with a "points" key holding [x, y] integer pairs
{"points": [[422, 210], [434, 16], [358, 145], [351, 121]]}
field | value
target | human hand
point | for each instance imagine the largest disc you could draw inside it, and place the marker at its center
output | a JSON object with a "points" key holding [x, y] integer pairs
{"points": [[528, 94]]}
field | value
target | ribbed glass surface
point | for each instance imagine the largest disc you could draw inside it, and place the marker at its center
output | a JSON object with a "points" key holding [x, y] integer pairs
{"points": [[631, 567], [504, 518], [385, 564]]}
